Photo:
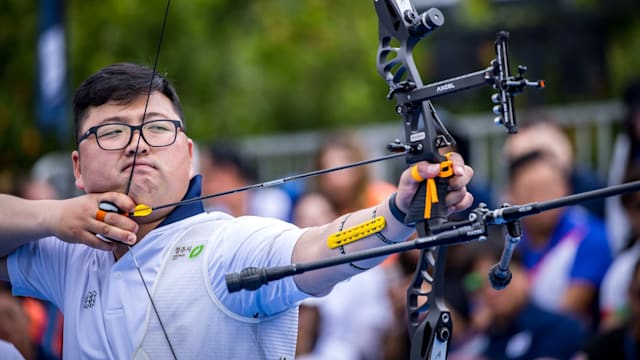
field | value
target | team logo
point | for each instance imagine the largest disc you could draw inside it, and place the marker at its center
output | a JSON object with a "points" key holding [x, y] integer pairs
{"points": [[196, 251], [90, 299], [187, 251]]}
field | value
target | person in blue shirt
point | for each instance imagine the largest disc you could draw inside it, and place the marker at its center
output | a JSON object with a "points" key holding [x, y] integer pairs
{"points": [[565, 250]]}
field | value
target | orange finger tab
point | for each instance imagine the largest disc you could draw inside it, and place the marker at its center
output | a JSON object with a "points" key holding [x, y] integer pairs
{"points": [[415, 175], [100, 214]]}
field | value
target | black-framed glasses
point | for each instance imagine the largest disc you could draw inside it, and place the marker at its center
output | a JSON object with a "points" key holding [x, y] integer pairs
{"points": [[117, 136]]}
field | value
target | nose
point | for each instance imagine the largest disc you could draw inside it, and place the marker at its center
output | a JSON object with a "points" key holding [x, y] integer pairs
{"points": [[137, 144]]}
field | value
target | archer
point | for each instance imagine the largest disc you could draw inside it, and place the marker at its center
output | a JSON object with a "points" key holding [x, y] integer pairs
{"points": [[153, 286]]}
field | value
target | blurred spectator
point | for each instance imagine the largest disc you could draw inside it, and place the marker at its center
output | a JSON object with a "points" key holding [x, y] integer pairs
{"points": [[626, 152], [614, 305], [224, 168], [481, 189], [621, 342], [34, 189], [347, 323], [541, 132], [350, 321], [351, 188], [313, 209], [14, 328], [565, 250], [56, 169], [507, 325], [458, 259]]}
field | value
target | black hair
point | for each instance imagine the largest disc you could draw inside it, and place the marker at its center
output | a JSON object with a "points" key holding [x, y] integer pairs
{"points": [[518, 163], [122, 83]]}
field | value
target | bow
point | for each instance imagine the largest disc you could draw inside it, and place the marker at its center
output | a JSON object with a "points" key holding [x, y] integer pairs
{"points": [[401, 27], [425, 134]]}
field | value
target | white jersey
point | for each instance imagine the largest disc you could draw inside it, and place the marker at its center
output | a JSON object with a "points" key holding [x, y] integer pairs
{"points": [[107, 311]]}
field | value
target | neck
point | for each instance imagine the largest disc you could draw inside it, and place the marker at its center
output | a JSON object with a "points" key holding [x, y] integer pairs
{"points": [[143, 230]]}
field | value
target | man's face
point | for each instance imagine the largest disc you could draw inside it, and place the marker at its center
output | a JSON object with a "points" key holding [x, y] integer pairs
{"points": [[539, 181], [339, 184], [161, 174], [507, 302]]}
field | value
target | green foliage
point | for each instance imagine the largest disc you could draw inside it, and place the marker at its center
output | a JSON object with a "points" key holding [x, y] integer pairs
{"points": [[624, 49], [247, 67], [19, 142]]}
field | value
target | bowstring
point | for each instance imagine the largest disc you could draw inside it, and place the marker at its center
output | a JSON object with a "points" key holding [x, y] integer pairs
{"points": [[135, 155]]}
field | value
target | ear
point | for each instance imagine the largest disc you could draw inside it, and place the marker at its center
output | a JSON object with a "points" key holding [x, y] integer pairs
{"points": [[192, 170], [75, 159]]}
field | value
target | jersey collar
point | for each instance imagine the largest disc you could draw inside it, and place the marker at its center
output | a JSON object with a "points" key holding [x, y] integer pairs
{"points": [[184, 211]]}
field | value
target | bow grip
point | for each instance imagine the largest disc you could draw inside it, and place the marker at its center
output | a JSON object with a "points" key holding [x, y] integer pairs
{"points": [[428, 202]]}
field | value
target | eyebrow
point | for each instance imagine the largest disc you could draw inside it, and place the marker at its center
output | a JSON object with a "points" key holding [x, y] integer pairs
{"points": [[121, 119]]}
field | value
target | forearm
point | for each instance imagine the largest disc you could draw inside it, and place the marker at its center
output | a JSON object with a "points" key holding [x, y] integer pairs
{"points": [[22, 221], [312, 246]]}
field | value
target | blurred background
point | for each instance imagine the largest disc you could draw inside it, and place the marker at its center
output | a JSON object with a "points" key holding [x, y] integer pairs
{"points": [[278, 74], [280, 77]]}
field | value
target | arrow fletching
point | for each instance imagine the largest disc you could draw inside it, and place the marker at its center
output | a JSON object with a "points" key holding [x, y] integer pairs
{"points": [[142, 210]]}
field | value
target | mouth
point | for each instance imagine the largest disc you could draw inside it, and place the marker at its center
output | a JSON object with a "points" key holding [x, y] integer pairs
{"points": [[138, 165]]}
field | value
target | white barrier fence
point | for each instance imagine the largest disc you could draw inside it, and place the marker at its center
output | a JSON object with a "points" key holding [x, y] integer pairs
{"points": [[591, 126]]}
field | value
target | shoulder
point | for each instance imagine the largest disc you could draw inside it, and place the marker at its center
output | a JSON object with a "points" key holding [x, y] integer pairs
{"points": [[590, 229], [577, 216]]}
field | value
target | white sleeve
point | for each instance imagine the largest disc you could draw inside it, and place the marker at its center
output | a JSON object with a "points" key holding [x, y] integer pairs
{"points": [[255, 242], [38, 269]]}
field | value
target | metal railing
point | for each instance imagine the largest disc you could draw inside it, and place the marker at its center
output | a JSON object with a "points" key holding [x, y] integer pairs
{"points": [[591, 126]]}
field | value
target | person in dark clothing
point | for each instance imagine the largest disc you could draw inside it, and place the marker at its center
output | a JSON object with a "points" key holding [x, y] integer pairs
{"points": [[622, 341], [507, 325]]}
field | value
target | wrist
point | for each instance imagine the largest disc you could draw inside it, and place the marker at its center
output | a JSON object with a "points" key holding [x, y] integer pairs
{"points": [[398, 214]]}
